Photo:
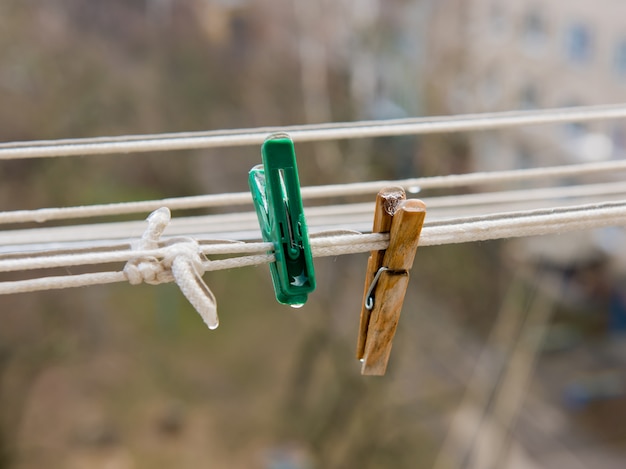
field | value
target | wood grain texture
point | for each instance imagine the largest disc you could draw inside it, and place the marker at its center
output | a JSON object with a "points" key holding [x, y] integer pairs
{"points": [[387, 202], [406, 227]]}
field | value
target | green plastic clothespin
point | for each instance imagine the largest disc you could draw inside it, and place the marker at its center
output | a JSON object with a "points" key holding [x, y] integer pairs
{"points": [[276, 195]]}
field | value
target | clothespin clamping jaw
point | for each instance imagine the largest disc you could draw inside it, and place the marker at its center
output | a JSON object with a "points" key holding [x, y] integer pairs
{"points": [[387, 276], [276, 195]]}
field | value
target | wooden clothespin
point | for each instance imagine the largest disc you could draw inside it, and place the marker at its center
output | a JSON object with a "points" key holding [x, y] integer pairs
{"points": [[387, 276]]}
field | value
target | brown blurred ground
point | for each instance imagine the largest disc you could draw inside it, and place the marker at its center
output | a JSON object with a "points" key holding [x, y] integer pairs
{"points": [[129, 377]]}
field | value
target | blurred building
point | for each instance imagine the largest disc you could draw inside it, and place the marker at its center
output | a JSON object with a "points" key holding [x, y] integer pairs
{"points": [[497, 55]]}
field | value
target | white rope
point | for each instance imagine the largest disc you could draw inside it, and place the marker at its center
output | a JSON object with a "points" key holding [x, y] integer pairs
{"points": [[307, 133], [50, 259], [182, 263], [454, 231], [357, 216], [487, 199], [187, 270], [124, 208], [522, 224], [314, 192], [346, 242], [61, 282]]}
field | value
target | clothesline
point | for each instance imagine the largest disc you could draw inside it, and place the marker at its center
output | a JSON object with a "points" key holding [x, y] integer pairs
{"points": [[306, 133], [453, 231], [465, 225], [349, 216], [314, 192]]}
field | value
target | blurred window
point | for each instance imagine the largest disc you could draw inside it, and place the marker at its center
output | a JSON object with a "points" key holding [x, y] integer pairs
{"points": [[491, 88], [574, 131], [620, 59], [496, 18], [618, 136], [523, 158], [578, 43], [528, 98], [534, 31]]}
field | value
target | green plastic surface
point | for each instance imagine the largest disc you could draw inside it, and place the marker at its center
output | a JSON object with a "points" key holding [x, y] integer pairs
{"points": [[275, 188]]}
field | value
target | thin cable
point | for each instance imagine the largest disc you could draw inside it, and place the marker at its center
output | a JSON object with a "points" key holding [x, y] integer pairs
{"points": [[505, 225], [61, 282], [527, 195], [109, 257], [244, 225], [307, 133], [522, 224], [54, 260], [311, 192]]}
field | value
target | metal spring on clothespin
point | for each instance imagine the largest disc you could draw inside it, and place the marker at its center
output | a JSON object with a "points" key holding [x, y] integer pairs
{"points": [[387, 276]]}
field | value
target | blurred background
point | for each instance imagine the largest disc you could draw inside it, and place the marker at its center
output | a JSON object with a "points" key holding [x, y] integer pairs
{"points": [[508, 354]]}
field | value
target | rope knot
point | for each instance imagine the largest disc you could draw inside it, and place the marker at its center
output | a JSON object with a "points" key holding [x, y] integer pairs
{"points": [[145, 269], [182, 261]]}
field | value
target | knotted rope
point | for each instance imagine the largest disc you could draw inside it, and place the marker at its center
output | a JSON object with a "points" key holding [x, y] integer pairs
{"points": [[183, 262]]}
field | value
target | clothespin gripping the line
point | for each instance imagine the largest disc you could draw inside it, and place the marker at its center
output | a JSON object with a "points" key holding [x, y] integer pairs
{"points": [[276, 195], [387, 202], [385, 292]]}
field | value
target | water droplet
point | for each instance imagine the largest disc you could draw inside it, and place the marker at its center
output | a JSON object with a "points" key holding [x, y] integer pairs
{"points": [[414, 189], [297, 305]]}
